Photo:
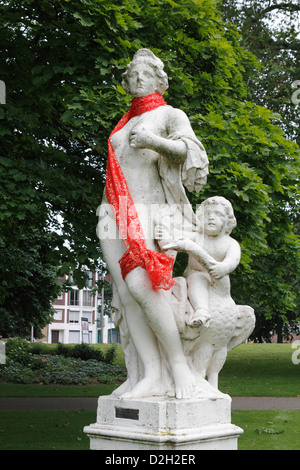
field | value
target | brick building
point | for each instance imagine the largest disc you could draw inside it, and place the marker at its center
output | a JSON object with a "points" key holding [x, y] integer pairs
{"points": [[79, 317]]}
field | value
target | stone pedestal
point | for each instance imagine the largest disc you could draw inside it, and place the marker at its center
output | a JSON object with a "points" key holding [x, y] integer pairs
{"points": [[164, 424]]}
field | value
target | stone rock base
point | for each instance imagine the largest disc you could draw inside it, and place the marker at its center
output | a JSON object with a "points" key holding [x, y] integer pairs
{"points": [[160, 423]]}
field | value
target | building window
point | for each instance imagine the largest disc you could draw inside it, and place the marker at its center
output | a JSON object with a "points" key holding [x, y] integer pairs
{"points": [[74, 337], [88, 315], [86, 298], [113, 336], [58, 315], [73, 316], [74, 297]]}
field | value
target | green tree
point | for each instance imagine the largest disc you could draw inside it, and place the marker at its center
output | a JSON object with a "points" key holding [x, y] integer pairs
{"points": [[270, 29], [62, 63], [28, 285]]}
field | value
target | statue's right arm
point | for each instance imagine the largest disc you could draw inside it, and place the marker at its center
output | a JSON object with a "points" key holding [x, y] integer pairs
{"points": [[176, 122]]}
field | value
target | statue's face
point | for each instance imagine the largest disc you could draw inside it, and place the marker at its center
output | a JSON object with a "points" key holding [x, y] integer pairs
{"points": [[215, 220], [142, 80]]}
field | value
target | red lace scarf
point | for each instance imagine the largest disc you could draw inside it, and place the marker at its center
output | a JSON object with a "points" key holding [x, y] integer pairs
{"points": [[158, 265]]}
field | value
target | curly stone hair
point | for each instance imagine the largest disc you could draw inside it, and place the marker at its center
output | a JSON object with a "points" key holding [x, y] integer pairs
{"points": [[147, 56], [219, 200]]}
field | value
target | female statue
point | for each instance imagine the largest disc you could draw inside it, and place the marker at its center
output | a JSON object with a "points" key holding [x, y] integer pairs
{"points": [[151, 149]]}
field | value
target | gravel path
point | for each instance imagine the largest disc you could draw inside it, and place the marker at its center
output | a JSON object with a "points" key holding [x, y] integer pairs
{"points": [[65, 403]]}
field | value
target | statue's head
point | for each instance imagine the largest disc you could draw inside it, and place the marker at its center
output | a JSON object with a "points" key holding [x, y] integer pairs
{"points": [[221, 208], [145, 60]]}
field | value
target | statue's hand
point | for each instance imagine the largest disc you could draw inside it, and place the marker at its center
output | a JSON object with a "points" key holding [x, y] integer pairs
{"points": [[217, 270], [161, 233], [180, 244], [141, 138]]}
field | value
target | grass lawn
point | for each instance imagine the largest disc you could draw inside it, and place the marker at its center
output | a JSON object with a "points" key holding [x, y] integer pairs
{"points": [[268, 429], [45, 430], [63, 430], [251, 370], [259, 370]]}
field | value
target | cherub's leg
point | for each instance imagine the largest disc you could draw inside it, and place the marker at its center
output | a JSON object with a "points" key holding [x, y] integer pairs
{"points": [[198, 292]]}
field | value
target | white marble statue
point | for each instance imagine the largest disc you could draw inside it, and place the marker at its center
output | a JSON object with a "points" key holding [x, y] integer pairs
{"points": [[209, 321], [153, 151]]}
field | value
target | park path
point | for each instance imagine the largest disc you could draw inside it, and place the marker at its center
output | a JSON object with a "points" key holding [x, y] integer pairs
{"points": [[77, 403]]}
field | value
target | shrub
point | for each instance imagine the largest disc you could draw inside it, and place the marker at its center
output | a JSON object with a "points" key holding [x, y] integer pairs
{"points": [[14, 372], [110, 355], [62, 350], [17, 350], [39, 348], [78, 365], [86, 352], [40, 362]]}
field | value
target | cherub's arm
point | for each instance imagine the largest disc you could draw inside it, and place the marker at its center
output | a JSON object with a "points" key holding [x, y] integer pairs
{"points": [[164, 238], [217, 269], [220, 269], [191, 247]]}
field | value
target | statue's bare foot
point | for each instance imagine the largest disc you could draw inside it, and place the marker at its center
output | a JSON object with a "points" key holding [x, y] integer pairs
{"points": [[185, 382], [201, 317], [147, 387]]}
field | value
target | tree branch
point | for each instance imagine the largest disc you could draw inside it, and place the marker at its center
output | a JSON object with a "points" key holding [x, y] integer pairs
{"points": [[280, 6], [80, 139]]}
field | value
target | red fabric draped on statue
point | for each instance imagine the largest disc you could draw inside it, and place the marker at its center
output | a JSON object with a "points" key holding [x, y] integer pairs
{"points": [[158, 265]]}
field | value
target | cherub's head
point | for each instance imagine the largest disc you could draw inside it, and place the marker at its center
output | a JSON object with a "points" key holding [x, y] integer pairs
{"points": [[215, 215], [144, 60]]}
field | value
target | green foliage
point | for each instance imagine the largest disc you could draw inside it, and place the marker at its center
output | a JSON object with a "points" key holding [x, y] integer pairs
{"points": [[85, 352], [268, 431], [276, 45], [79, 365], [269, 29], [18, 351], [62, 63], [28, 282]]}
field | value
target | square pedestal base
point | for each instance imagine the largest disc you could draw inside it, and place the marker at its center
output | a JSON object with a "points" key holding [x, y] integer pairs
{"points": [[163, 424]]}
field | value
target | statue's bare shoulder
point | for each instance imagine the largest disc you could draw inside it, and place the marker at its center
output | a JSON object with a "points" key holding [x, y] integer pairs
{"points": [[176, 119]]}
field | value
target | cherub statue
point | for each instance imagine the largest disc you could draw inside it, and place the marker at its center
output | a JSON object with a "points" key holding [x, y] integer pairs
{"points": [[213, 255], [209, 321]]}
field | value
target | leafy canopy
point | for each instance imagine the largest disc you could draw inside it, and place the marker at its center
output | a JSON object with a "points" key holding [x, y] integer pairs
{"points": [[62, 63]]}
